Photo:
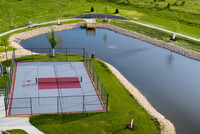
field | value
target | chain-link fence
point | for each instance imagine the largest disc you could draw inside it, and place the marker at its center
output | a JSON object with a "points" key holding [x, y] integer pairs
{"points": [[28, 105], [56, 104], [49, 54], [97, 81], [9, 81]]}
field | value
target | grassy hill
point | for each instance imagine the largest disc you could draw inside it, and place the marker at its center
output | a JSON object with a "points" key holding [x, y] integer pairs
{"points": [[178, 16]]}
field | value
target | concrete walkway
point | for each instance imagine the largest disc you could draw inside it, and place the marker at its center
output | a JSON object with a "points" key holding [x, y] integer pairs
{"points": [[161, 29], [44, 23], [7, 123]]}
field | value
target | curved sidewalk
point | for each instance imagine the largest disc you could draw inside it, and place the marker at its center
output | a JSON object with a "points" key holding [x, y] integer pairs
{"points": [[7, 123]]}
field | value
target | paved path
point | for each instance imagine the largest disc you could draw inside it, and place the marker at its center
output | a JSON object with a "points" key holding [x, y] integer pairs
{"points": [[7, 123], [192, 38], [164, 30]]}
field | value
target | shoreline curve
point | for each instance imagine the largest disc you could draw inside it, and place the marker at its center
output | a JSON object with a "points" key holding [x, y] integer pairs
{"points": [[165, 125]]}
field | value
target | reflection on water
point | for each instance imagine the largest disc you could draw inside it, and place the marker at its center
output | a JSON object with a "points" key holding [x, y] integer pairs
{"points": [[60, 41], [170, 58], [168, 80], [90, 31], [105, 37]]}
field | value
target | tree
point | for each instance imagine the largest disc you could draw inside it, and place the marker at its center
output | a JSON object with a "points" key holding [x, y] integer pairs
{"points": [[117, 11], [105, 13], [11, 17], [92, 9], [53, 40]]}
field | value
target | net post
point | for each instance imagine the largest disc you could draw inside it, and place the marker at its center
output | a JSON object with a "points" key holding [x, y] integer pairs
{"points": [[31, 106]]}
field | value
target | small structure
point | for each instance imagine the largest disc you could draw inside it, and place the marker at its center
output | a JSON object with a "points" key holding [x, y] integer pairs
{"points": [[90, 23]]}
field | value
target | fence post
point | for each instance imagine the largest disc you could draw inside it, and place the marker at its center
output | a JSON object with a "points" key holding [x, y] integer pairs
{"points": [[93, 74], [83, 54], [57, 105], [107, 104], [6, 106], [83, 103], [102, 90], [66, 54], [32, 54], [31, 106], [50, 53]]}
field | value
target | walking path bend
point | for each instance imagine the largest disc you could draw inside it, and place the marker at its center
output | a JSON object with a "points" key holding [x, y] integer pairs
{"points": [[8, 123]]}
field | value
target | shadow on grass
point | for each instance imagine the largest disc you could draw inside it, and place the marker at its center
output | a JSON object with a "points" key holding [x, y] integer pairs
{"points": [[59, 118], [119, 131]]}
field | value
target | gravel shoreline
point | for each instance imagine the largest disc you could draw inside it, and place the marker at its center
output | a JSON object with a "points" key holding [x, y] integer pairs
{"points": [[166, 126]]}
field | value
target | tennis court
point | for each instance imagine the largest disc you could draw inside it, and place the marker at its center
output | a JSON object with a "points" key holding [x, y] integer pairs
{"points": [[53, 87]]}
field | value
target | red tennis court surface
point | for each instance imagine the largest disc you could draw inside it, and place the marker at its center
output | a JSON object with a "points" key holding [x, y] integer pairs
{"points": [[53, 87], [58, 83]]}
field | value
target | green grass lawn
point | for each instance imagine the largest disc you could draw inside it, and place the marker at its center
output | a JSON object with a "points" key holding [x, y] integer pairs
{"points": [[179, 18], [17, 131], [122, 108], [154, 33]]}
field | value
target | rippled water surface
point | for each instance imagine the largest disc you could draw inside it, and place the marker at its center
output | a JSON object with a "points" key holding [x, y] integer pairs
{"points": [[170, 82]]}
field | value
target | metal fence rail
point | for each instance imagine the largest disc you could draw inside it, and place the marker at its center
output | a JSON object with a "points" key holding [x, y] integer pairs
{"points": [[97, 81], [9, 82], [55, 104], [67, 54], [46, 54]]}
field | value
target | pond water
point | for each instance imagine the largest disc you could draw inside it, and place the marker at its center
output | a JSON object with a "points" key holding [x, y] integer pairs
{"points": [[171, 82]]}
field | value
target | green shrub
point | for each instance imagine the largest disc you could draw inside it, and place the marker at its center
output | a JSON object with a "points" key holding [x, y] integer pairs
{"points": [[183, 3], [168, 5], [92, 9], [117, 11]]}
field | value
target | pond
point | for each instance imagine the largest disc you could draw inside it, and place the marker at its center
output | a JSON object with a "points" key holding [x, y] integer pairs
{"points": [[171, 82]]}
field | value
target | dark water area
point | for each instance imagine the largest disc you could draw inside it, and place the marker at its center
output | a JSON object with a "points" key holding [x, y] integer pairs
{"points": [[171, 82]]}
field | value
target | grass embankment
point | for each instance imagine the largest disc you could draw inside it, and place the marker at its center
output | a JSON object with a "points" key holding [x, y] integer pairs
{"points": [[122, 108], [154, 33], [17, 131], [178, 17]]}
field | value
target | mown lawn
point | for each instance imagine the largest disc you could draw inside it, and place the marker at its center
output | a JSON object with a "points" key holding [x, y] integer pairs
{"points": [[17, 131], [122, 108], [178, 17], [154, 33]]}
